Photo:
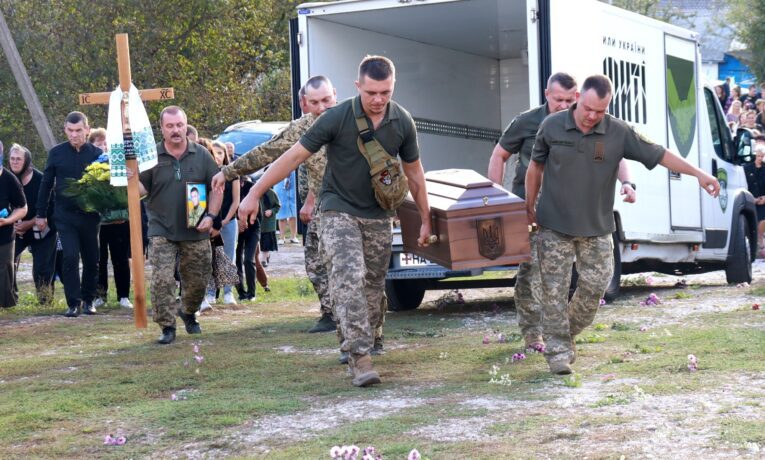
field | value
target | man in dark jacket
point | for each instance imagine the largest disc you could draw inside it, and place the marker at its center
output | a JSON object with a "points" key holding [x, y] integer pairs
{"points": [[77, 229]]}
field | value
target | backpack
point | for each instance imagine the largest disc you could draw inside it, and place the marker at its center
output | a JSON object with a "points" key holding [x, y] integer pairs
{"points": [[388, 180]]}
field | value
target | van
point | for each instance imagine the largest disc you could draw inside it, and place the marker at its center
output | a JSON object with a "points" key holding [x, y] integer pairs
{"points": [[466, 68]]}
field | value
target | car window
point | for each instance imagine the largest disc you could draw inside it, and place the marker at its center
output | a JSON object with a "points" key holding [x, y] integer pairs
{"points": [[244, 141]]}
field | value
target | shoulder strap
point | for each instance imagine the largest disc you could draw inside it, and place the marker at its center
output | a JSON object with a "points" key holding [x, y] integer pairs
{"points": [[370, 147]]}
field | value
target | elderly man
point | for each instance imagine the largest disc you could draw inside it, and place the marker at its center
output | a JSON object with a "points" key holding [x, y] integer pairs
{"points": [[179, 162]]}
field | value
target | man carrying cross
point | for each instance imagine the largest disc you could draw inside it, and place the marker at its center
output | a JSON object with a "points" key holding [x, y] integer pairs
{"points": [[179, 162]]}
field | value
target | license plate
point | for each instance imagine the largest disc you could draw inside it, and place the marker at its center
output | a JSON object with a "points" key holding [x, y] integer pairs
{"points": [[411, 260]]}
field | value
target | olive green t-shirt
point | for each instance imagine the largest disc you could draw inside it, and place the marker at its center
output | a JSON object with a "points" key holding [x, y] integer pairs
{"points": [[165, 185], [518, 138], [577, 196], [347, 185]]}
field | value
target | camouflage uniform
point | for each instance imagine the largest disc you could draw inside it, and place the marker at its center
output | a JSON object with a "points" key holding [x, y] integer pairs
{"points": [[527, 296], [266, 153], [358, 252], [195, 263], [563, 320]]}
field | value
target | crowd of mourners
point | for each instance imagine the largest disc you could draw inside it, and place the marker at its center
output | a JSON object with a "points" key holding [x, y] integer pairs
{"points": [[58, 246], [745, 108]]}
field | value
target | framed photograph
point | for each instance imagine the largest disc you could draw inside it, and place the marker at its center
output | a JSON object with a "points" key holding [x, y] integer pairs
{"points": [[196, 203]]}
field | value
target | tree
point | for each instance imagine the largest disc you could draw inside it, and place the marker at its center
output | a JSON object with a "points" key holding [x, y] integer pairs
{"points": [[663, 10], [228, 60], [748, 20]]}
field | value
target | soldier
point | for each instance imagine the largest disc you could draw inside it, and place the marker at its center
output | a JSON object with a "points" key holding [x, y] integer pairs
{"points": [[196, 210], [575, 162], [180, 161], [355, 231], [316, 96], [519, 137]]}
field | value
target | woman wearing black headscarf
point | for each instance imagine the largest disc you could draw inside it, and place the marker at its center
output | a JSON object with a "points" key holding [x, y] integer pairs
{"points": [[42, 245]]}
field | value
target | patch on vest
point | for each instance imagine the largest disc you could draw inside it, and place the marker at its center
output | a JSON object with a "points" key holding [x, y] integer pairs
{"points": [[385, 178], [491, 237]]}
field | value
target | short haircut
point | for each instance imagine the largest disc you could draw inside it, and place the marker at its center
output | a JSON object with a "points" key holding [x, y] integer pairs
{"points": [[315, 82], [194, 189], [565, 80], [76, 117], [377, 68], [172, 110], [601, 84], [191, 130], [96, 133]]}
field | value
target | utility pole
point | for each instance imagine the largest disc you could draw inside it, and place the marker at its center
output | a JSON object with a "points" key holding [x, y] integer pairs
{"points": [[25, 85]]}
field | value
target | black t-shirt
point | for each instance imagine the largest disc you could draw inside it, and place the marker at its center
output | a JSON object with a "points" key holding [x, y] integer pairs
{"points": [[30, 193], [11, 197]]}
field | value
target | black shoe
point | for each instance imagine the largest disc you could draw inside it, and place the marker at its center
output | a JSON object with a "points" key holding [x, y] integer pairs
{"points": [[168, 335], [190, 321], [377, 349], [73, 312], [325, 324], [88, 308], [343, 359]]}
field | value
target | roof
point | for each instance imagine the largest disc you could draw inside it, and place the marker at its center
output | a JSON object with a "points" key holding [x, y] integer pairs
{"points": [[707, 18]]}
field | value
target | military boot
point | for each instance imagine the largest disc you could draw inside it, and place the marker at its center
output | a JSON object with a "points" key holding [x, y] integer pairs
{"points": [[325, 324], [168, 335], [363, 372], [559, 366], [377, 349], [190, 321], [534, 342]]}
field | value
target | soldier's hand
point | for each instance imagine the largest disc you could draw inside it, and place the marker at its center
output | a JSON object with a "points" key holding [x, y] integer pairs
{"points": [[248, 208], [630, 195], [709, 184], [425, 232], [531, 216], [219, 182], [306, 212], [205, 225]]}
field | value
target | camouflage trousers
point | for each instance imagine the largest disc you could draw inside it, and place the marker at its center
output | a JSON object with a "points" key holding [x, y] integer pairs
{"points": [[562, 320], [378, 333], [315, 264], [195, 267], [527, 285], [358, 253]]}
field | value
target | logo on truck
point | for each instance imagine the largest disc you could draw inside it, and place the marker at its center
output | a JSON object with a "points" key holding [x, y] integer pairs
{"points": [[629, 100], [681, 102]]}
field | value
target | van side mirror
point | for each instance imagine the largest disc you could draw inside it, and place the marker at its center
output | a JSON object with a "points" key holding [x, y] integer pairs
{"points": [[744, 146]]}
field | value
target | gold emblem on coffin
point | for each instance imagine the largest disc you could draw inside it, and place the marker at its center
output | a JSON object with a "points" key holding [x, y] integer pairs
{"points": [[491, 237]]}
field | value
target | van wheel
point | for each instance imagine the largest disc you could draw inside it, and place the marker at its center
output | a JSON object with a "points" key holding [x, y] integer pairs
{"points": [[404, 294], [612, 291], [739, 266]]}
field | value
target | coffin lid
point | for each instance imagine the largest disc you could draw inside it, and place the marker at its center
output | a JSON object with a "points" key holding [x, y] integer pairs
{"points": [[456, 189]]}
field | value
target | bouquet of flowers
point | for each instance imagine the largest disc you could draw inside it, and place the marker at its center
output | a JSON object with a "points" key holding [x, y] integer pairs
{"points": [[94, 193]]}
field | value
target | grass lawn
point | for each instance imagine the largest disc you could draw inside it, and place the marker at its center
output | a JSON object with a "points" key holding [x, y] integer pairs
{"points": [[260, 386]]}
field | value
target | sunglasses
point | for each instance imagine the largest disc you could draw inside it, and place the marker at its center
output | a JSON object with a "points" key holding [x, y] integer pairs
{"points": [[177, 167]]}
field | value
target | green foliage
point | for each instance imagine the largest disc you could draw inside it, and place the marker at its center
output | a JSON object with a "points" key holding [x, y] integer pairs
{"points": [[747, 18], [657, 9], [228, 60]]}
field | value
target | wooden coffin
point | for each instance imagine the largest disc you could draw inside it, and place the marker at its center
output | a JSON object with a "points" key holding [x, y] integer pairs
{"points": [[478, 223]]}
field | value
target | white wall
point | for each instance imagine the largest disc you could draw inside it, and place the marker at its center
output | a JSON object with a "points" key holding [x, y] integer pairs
{"points": [[431, 82]]}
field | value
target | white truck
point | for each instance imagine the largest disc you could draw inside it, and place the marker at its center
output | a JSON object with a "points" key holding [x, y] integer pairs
{"points": [[466, 68]]}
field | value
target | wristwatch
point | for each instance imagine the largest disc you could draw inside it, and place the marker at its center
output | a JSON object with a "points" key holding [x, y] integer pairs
{"points": [[631, 184]]}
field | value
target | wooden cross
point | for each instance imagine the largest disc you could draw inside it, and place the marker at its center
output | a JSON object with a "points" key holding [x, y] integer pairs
{"points": [[134, 205]]}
